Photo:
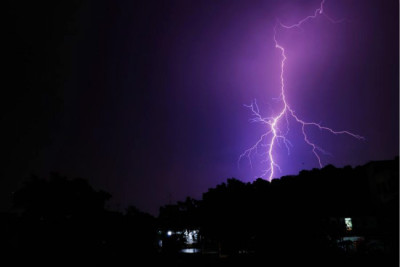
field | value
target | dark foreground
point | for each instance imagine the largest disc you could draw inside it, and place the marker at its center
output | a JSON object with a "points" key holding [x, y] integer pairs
{"points": [[206, 260], [328, 217]]}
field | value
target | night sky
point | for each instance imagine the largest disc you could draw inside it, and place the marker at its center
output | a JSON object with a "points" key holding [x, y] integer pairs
{"points": [[146, 99]]}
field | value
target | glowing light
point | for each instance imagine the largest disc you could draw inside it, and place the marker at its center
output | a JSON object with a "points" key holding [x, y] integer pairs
{"points": [[274, 132], [349, 224], [191, 237], [169, 233], [190, 250]]}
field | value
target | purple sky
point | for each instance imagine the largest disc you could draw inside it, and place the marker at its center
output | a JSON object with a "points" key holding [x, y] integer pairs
{"points": [[153, 102]]}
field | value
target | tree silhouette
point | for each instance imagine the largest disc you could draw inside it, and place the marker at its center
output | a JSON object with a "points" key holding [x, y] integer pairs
{"points": [[59, 197]]}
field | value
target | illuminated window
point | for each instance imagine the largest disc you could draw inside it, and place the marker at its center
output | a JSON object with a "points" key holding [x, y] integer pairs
{"points": [[349, 224], [191, 237]]}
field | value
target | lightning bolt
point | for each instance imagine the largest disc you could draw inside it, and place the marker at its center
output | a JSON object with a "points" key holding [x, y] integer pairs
{"points": [[274, 133]]}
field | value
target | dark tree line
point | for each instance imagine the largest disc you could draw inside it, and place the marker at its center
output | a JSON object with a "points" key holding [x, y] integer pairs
{"points": [[63, 222], [301, 216]]}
